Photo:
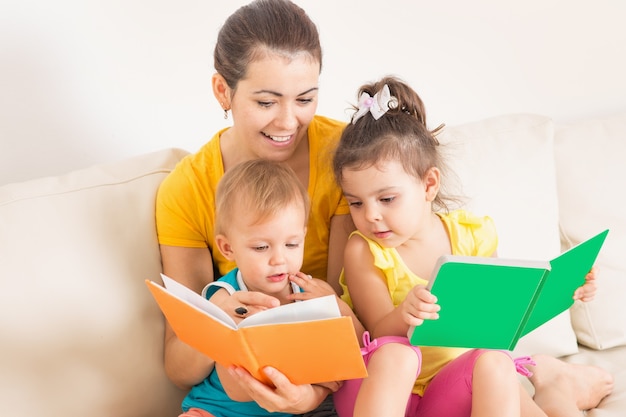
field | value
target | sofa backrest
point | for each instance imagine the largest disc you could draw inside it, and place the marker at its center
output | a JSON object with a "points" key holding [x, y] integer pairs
{"points": [[80, 333]]}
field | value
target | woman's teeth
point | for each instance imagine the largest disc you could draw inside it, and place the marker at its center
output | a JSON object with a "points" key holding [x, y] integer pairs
{"points": [[279, 138]]}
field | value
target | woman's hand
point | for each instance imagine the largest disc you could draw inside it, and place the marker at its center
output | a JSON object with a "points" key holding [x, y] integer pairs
{"points": [[251, 301], [284, 396], [587, 291], [419, 305]]}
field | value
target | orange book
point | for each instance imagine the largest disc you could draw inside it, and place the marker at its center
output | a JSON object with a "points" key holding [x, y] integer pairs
{"points": [[309, 341]]}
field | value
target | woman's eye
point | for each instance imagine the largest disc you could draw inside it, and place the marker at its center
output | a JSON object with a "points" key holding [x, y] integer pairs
{"points": [[265, 103], [305, 100]]}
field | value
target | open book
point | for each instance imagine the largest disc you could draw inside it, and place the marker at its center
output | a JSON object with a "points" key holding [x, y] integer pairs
{"points": [[309, 341], [493, 302]]}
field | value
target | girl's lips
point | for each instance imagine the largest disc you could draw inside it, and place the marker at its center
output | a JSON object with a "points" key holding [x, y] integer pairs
{"points": [[382, 235]]}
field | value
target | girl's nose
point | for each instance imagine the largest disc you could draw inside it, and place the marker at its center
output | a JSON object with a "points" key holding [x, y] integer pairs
{"points": [[372, 214]]}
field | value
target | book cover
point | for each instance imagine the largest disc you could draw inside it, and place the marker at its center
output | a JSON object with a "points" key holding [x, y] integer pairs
{"points": [[493, 302], [309, 341]]}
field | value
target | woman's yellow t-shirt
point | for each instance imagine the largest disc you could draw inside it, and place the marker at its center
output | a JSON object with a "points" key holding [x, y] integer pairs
{"points": [[185, 206]]}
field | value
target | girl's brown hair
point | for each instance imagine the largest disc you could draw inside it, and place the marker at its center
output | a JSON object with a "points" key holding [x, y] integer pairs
{"points": [[401, 134]]}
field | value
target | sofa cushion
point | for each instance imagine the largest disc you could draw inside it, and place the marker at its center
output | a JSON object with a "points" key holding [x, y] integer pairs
{"points": [[81, 335], [590, 170], [505, 167]]}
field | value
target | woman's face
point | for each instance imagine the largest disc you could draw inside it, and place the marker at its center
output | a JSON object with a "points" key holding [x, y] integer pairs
{"points": [[274, 104]]}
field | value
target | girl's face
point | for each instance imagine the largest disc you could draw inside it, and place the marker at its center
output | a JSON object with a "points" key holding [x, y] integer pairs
{"points": [[274, 104], [387, 204], [266, 251]]}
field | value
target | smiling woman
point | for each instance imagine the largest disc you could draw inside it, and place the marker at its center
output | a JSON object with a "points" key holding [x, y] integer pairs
{"points": [[267, 60]]}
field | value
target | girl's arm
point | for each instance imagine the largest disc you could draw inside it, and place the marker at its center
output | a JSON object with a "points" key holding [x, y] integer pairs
{"points": [[371, 299]]}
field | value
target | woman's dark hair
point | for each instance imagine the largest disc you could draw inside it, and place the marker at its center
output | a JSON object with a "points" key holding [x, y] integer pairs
{"points": [[277, 26]]}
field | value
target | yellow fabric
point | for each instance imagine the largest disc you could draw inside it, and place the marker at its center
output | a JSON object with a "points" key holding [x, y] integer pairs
{"points": [[470, 236], [185, 206]]}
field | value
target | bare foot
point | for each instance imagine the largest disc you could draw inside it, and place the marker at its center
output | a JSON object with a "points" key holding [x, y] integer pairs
{"points": [[586, 385]]}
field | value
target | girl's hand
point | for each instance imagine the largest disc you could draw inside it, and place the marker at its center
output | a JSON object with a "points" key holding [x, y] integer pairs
{"points": [[313, 287], [419, 305], [587, 291]]}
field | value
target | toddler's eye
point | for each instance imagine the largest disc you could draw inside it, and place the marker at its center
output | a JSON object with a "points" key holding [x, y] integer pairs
{"points": [[355, 204], [260, 248], [293, 245], [387, 199]]}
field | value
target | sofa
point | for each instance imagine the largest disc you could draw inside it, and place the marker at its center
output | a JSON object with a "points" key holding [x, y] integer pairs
{"points": [[81, 334]]}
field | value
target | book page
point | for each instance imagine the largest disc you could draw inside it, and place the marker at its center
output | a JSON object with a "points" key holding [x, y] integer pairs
{"points": [[315, 309], [196, 300]]}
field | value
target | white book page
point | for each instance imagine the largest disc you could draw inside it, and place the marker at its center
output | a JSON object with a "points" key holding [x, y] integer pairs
{"points": [[196, 300], [320, 308]]}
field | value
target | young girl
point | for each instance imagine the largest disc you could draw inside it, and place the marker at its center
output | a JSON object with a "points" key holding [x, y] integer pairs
{"points": [[390, 169]]}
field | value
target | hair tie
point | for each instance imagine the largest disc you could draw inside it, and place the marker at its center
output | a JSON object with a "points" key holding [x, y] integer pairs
{"points": [[377, 105]]}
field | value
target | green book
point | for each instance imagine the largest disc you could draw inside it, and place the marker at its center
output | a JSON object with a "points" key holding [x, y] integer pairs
{"points": [[493, 302]]}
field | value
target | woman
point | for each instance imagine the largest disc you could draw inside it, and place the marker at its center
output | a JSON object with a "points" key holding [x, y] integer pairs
{"points": [[268, 60]]}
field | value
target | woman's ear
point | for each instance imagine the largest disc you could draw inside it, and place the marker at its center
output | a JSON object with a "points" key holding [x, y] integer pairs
{"points": [[224, 246], [221, 90], [432, 183]]}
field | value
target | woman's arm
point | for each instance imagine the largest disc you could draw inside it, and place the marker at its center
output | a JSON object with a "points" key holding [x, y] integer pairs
{"points": [[340, 228], [192, 267]]}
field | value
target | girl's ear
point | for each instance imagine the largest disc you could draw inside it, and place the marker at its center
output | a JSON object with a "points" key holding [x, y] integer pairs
{"points": [[224, 246], [432, 183], [221, 90]]}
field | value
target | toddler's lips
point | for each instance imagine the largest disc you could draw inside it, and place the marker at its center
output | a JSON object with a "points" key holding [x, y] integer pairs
{"points": [[278, 277]]}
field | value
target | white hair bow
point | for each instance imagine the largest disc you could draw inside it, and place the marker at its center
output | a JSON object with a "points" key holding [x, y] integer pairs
{"points": [[377, 105]]}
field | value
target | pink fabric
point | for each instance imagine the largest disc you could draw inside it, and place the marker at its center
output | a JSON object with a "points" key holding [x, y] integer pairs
{"points": [[345, 397], [196, 412], [448, 394]]}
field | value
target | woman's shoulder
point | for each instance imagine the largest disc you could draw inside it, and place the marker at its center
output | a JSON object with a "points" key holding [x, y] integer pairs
{"points": [[207, 161], [324, 128]]}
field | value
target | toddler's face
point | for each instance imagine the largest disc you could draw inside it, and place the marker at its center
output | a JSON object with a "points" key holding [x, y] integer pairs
{"points": [[267, 252]]}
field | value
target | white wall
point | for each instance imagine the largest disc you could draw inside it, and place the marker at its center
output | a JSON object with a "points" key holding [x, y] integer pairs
{"points": [[89, 81]]}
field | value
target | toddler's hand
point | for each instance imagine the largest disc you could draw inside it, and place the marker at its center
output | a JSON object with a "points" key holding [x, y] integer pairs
{"points": [[419, 305], [313, 287], [587, 291]]}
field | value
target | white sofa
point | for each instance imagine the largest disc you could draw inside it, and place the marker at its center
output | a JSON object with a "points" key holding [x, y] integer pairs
{"points": [[81, 335]]}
